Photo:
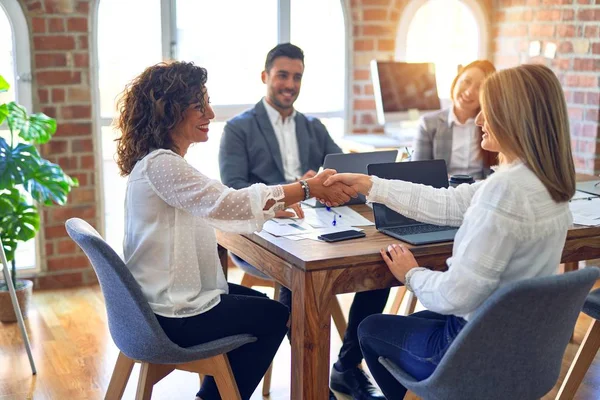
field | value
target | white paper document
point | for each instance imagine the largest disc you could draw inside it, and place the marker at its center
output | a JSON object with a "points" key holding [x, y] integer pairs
{"points": [[296, 227], [343, 216], [585, 210]]}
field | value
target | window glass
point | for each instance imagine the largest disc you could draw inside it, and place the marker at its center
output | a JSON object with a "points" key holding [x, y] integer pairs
{"points": [[459, 46], [231, 40]]}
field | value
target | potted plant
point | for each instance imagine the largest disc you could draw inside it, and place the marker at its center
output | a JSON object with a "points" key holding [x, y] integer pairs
{"points": [[26, 181]]}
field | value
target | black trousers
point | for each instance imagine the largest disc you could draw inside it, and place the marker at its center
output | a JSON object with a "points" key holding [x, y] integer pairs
{"points": [[243, 310], [364, 304]]}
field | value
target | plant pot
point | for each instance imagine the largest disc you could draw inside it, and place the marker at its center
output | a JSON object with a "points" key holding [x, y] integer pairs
{"points": [[7, 311]]}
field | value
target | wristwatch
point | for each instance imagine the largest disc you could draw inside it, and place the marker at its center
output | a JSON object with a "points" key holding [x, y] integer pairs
{"points": [[409, 274]]}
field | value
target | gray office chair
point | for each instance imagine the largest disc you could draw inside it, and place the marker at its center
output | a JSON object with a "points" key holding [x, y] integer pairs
{"points": [[587, 351], [137, 333], [513, 346]]}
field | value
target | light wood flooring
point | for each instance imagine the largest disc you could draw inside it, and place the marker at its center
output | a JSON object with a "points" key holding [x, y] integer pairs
{"points": [[75, 354]]}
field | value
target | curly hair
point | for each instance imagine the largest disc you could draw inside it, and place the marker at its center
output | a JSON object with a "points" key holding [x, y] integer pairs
{"points": [[152, 105]]}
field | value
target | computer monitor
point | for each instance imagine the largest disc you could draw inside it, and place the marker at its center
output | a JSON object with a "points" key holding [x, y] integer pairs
{"points": [[403, 90]]}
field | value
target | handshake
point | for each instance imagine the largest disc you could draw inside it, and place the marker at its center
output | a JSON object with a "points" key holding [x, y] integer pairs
{"points": [[334, 189]]}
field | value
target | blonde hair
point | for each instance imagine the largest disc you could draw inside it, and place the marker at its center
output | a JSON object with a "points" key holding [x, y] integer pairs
{"points": [[526, 110]]}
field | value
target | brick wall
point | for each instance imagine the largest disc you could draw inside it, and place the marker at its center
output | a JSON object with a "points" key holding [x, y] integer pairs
{"points": [[60, 58], [574, 26]]}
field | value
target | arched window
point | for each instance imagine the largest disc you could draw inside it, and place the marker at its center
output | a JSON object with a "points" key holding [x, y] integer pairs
{"points": [[15, 64], [463, 38], [231, 40]]}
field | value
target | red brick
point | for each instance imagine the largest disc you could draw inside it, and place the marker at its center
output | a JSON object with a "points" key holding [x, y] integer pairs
{"points": [[579, 98], [87, 162], [386, 45], [38, 25], [541, 30], [56, 25], [593, 98], [375, 2], [82, 146], [79, 195], [565, 47], [46, 78], [49, 111], [363, 104], [368, 89], [78, 24], [76, 112], [585, 64], [82, 60], [35, 6], [54, 147], [61, 214], [547, 15], [568, 15], [82, 178], [49, 248], [66, 246], [563, 64], [49, 60], [73, 129], [43, 95], [589, 14], [53, 232], [565, 30], [590, 130], [375, 14], [56, 281], [364, 45], [379, 30], [591, 32], [83, 42], [596, 48], [512, 30], [68, 162], [589, 81], [362, 74], [575, 113], [83, 7], [367, 119], [591, 114], [58, 95], [555, 2]]}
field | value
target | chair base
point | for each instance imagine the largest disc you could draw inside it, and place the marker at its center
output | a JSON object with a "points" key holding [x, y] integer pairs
{"points": [[150, 374]]}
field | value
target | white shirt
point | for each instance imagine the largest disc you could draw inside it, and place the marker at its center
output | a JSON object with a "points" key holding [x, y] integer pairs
{"points": [[285, 132], [170, 247], [510, 229], [466, 147]]}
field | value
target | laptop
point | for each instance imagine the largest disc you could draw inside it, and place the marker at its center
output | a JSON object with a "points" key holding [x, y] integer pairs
{"points": [[357, 163], [431, 173]]}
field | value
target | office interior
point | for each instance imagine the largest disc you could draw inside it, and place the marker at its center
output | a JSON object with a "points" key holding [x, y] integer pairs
{"points": [[70, 59]]}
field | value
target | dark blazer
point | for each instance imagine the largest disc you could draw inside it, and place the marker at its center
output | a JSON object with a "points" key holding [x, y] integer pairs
{"points": [[249, 152], [434, 141]]}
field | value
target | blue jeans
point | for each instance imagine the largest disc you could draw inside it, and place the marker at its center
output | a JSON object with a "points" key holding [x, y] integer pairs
{"points": [[415, 343]]}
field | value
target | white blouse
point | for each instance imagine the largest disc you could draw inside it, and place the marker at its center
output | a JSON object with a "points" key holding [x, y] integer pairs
{"points": [[466, 147], [170, 247], [510, 229]]}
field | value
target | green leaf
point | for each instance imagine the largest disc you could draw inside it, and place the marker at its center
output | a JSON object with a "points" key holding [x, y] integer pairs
{"points": [[49, 184], [37, 128], [4, 86], [19, 220], [16, 164], [3, 112]]}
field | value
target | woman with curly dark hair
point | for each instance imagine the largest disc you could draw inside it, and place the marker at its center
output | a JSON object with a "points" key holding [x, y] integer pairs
{"points": [[171, 210]]}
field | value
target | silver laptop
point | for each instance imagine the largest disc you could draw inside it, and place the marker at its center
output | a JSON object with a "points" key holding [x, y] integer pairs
{"points": [[357, 163], [431, 173]]}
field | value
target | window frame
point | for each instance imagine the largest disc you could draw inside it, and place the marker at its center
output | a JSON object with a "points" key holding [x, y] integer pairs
{"points": [[23, 86]]}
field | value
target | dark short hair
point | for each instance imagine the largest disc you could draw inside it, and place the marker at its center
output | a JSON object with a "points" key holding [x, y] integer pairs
{"points": [[283, 50]]}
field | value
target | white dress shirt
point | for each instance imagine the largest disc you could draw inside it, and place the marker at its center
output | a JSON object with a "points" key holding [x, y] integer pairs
{"points": [[170, 247], [285, 132], [510, 229], [466, 147]]}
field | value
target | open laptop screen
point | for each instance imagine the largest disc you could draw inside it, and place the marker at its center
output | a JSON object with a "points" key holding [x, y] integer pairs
{"points": [[429, 172]]}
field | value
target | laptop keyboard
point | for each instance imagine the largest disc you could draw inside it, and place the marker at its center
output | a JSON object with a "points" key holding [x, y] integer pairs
{"points": [[414, 229]]}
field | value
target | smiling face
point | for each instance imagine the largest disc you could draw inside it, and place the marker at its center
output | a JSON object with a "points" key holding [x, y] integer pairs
{"points": [[283, 82], [194, 126], [488, 140], [466, 91]]}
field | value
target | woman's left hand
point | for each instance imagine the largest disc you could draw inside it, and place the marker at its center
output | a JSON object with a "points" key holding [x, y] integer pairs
{"points": [[400, 260]]}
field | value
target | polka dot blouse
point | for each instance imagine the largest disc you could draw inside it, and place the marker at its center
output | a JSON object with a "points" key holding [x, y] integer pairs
{"points": [[170, 247]]}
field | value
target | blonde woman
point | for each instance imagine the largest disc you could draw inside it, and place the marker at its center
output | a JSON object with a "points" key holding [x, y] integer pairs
{"points": [[512, 226], [451, 134]]}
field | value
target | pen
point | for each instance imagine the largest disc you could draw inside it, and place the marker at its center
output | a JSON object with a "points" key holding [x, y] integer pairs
{"points": [[585, 198]]}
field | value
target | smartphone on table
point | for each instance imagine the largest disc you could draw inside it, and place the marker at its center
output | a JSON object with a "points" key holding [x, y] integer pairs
{"points": [[344, 235]]}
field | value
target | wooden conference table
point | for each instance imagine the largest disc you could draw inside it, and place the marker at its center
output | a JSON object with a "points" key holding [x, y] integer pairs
{"points": [[316, 271]]}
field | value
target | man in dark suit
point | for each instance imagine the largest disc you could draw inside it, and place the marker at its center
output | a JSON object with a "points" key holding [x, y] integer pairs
{"points": [[273, 143]]}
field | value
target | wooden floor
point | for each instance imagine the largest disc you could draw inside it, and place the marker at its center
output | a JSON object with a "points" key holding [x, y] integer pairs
{"points": [[75, 354]]}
